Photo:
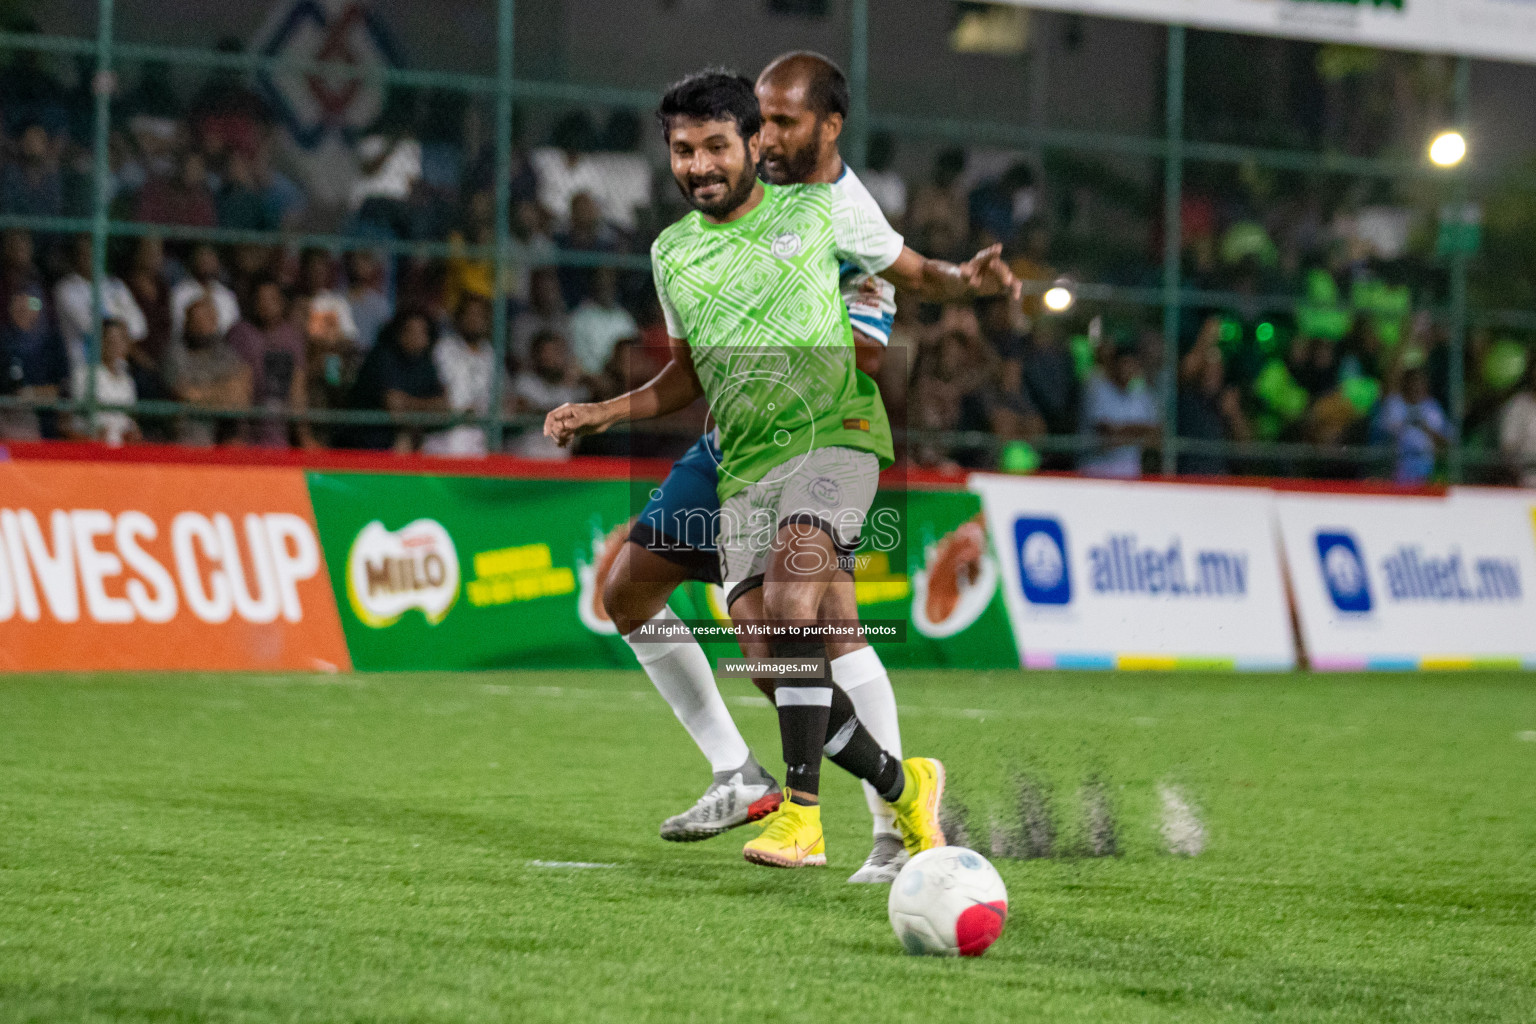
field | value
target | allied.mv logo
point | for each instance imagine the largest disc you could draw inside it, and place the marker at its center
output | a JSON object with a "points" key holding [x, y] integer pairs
{"points": [[1044, 573], [1344, 572]]}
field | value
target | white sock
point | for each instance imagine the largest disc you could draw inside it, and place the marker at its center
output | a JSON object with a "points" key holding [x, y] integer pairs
{"points": [[680, 669], [862, 676]]}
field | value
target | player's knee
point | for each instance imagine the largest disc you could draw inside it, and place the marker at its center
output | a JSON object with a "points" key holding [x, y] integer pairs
{"points": [[840, 600], [619, 601], [790, 604]]}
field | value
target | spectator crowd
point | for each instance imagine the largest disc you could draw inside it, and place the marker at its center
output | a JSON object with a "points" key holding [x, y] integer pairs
{"points": [[251, 338]]}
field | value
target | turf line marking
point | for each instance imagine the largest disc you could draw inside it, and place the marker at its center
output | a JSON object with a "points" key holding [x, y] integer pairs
{"points": [[296, 679], [946, 712], [579, 865], [628, 697], [1529, 736], [589, 693], [1182, 830]]}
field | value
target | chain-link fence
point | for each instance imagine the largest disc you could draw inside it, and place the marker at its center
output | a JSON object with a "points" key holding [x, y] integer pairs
{"points": [[1270, 291]]}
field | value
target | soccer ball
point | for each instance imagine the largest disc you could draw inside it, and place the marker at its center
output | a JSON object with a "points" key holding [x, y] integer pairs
{"points": [[948, 902]]}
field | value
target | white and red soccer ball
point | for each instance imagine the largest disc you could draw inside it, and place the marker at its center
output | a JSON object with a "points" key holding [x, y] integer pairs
{"points": [[948, 902]]}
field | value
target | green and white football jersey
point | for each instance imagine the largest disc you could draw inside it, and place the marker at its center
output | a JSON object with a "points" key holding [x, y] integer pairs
{"points": [[759, 303]]}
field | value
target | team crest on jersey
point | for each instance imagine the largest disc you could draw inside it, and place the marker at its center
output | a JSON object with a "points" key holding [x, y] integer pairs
{"points": [[787, 245], [824, 489]]}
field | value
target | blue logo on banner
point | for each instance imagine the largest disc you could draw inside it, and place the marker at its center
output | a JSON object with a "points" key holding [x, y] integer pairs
{"points": [[1043, 568], [1344, 572]]}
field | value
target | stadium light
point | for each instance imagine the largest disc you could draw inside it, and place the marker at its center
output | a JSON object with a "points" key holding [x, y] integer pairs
{"points": [[1059, 297], [1448, 149]]}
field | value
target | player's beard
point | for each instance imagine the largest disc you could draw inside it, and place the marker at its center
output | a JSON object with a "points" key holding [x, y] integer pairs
{"points": [[793, 167], [736, 192]]}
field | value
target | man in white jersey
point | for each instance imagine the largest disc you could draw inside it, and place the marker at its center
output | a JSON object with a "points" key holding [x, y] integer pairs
{"points": [[804, 99]]}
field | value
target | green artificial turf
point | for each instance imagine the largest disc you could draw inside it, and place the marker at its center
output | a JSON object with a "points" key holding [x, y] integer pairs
{"points": [[193, 848]]}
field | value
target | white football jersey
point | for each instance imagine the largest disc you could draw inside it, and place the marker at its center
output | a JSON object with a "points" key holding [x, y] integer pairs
{"points": [[871, 300]]}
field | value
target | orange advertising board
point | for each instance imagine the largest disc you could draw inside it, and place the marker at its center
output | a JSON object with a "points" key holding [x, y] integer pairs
{"points": [[124, 566]]}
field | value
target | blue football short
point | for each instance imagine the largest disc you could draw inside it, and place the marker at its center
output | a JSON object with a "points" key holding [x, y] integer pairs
{"points": [[680, 519]]}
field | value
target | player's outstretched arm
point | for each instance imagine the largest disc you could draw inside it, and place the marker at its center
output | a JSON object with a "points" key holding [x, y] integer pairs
{"points": [[941, 281], [674, 388]]}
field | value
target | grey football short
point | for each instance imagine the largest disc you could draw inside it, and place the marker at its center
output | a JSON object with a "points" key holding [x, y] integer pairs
{"points": [[828, 489]]}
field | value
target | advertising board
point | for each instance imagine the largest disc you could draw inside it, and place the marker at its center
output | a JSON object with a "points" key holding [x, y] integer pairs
{"points": [[161, 567], [1497, 29], [1412, 583], [1101, 574]]}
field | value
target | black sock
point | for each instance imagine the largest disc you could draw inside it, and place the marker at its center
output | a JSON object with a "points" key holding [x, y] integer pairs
{"points": [[804, 705], [850, 746]]}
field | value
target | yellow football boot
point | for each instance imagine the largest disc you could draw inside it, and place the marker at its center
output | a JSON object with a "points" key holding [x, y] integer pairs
{"points": [[791, 838], [917, 809]]}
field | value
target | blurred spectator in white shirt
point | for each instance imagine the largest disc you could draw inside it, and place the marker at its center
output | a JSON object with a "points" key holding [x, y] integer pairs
{"points": [[389, 168], [204, 281], [72, 305], [1517, 429], [600, 322], [1414, 423], [619, 181], [114, 386], [465, 361], [1120, 412]]}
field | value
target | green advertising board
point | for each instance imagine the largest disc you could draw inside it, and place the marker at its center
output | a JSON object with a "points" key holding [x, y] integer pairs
{"points": [[942, 579], [939, 583], [476, 573], [467, 573]]}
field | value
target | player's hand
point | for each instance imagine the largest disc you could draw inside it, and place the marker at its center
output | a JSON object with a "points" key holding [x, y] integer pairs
{"points": [[987, 274], [571, 420]]}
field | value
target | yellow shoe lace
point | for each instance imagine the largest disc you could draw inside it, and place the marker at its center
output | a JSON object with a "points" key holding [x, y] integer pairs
{"points": [[783, 823]]}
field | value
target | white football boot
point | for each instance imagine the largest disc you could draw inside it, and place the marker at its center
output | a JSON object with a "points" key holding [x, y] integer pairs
{"points": [[734, 798], [884, 862]]}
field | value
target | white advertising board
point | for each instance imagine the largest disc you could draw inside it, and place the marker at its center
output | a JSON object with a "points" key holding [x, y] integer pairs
{"points": [[1412, 583], [1497, 29], [1138, 575]]}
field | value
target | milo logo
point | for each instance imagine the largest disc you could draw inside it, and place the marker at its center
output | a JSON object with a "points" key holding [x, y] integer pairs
{"points": [[392, 571]]}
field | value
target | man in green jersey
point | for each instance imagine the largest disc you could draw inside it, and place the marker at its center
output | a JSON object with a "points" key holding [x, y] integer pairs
{"points": [[749, 283]]}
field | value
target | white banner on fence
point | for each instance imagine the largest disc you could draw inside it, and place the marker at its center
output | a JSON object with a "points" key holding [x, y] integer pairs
{"points": [[1407, 583], [1497, 29], [1138, 575]]}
